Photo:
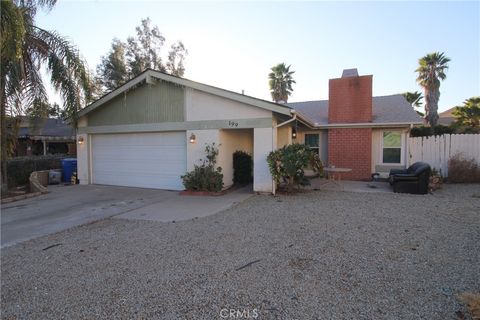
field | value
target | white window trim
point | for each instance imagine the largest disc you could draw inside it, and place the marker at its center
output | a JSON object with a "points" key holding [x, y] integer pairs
{"points": [[402, 149]]}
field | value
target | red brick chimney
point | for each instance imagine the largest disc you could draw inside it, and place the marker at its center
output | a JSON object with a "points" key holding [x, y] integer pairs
{"points": [[350, 101], [350, 98]]}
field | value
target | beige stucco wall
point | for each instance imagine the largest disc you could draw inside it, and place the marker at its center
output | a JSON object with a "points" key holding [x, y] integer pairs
{"points": [[196, 151], [205, 106], [232, 140], [284, 136]]}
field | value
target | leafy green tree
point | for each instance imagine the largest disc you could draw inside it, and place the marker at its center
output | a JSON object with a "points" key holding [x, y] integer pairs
{"points": [[126, 60], [468, 115], [287, 164], [281, 82], [431, 70], [24, 48], [143, 51], [112, 71], [43, 109], [176, 58]]}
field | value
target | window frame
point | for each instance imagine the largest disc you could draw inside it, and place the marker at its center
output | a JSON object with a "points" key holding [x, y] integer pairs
{"points": [[402, 148], [317, 148]]}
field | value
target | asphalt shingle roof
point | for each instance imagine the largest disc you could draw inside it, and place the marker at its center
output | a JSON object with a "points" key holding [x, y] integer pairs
{"points": [[45, 127], [385, 109]]}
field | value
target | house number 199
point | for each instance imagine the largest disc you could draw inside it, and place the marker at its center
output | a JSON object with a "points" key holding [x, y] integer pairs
{"points": [[232, 124]]}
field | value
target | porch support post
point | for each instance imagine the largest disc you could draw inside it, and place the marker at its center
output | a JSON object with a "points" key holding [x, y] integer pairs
{"points": [[264, 141]]}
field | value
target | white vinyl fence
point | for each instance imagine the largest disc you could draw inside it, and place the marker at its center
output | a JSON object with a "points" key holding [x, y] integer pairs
{"points": [[437, 150]]}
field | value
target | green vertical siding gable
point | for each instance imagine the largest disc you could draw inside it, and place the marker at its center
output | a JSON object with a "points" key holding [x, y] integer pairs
{"points": [[161, 102]]}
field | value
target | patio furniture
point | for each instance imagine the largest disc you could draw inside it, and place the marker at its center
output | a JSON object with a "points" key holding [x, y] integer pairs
{"points": [[333, 173], [336, 172], [414, 179]]}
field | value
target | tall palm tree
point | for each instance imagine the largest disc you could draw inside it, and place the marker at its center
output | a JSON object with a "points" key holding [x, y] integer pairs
{"points": [[431, 70], [24, 48], [280, 82]]}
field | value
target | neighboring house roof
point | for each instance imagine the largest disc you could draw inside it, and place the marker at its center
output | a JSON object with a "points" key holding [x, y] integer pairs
{"points": [[48, 128], [148, 74], [446, 117], [386, 110]]}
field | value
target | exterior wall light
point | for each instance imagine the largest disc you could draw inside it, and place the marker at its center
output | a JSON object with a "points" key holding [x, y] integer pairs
{"points": [[192, 138], [294, 133], [80, 140]]}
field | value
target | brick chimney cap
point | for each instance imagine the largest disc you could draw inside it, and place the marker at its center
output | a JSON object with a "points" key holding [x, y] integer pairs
{"points": [[350, 73]]}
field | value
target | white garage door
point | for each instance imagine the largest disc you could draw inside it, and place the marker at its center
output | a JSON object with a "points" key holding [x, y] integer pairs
{"points": [[146, 160]]}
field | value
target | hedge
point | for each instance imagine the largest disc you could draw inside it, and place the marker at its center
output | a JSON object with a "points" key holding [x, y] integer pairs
{"points": [[19, 169], [438, 130]]}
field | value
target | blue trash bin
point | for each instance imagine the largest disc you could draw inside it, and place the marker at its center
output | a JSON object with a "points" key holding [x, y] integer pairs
{"points": [[69, 166]]}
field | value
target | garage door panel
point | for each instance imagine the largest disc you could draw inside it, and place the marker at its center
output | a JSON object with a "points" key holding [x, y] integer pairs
{"points": [[137, 154], [148, 160]]}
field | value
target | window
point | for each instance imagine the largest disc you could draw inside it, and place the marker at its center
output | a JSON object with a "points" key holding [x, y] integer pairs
{"points": [[392, 147], [312, 141]]}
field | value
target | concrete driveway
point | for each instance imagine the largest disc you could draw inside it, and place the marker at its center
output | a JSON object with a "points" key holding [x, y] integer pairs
{"points": [[69, 206]]}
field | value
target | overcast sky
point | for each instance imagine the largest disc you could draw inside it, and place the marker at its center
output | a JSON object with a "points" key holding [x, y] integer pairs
{"points": [[233, 45]]}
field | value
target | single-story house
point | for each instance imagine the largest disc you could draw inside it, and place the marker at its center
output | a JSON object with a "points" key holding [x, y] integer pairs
{"points": [[153, 129], [446, 117], [42, 136]]}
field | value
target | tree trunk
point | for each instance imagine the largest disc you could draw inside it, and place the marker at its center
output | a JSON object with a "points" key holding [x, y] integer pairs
{"points": [[290, 184], [431, 105], [3, 136]]}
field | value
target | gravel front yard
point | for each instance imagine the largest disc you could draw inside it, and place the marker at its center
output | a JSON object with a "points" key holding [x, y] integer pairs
{"points": [[324, 255]]}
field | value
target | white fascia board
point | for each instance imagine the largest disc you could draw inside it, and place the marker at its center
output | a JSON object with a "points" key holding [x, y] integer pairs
{"points": [[356, 125], [365, 125]]}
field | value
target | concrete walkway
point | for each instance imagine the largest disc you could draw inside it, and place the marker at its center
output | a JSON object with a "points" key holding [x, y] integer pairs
{"points": [[178, 207], [351, 186], [69, 206]]}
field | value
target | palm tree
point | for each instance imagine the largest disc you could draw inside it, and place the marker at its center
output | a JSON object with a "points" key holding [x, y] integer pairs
{"points": [[280, 82], [414, 98], [431, 70], [24, 48], [469, 114]]}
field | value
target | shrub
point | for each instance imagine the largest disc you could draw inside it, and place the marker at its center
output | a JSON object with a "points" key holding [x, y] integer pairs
{"points": [[287, 164], [242, 167], [437, 130], [205, 177], [462, 170], [440, 129], [19, 169]]}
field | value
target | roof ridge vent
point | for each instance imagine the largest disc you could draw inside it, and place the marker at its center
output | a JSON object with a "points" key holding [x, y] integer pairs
{"points": [[347, 73]]}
